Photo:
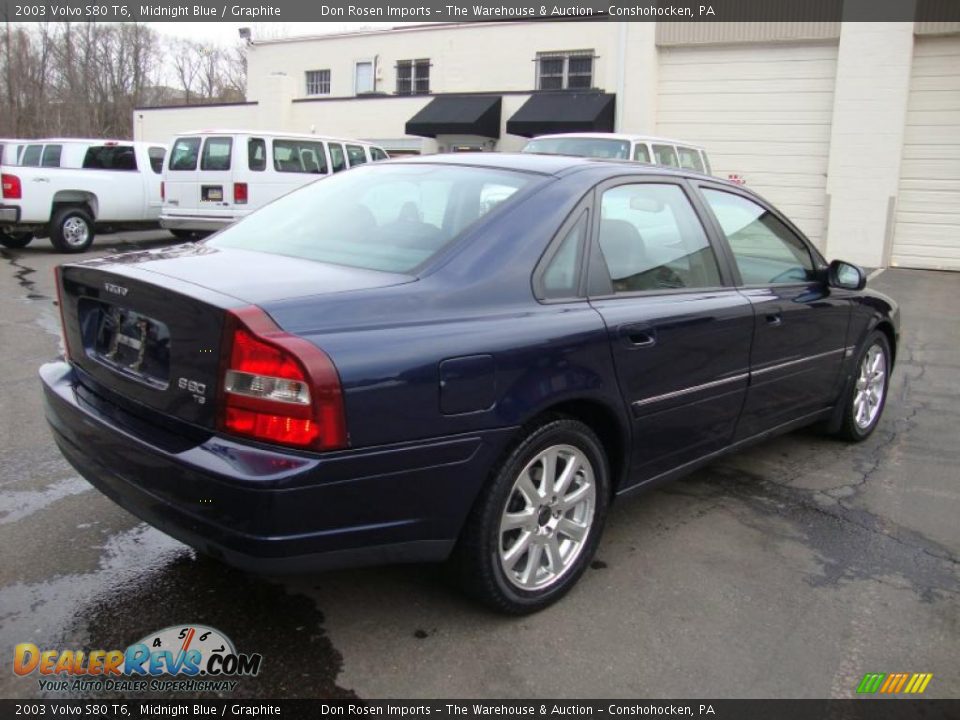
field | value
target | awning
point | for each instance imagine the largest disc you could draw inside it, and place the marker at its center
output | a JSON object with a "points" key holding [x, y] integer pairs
{"points": [[555, 112], [458, 115]]}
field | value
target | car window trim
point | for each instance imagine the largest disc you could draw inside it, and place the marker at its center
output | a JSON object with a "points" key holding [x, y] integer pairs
{"points": [[819, 262], [600, 285]]}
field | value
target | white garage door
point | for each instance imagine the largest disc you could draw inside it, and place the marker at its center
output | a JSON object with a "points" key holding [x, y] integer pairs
{"points": [[927, 231], [762, 112]]}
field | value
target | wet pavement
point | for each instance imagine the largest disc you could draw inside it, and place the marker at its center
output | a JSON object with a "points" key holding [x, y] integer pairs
{"points": [[788, 570]]}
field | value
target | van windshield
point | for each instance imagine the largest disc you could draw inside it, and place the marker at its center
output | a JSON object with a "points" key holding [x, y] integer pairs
{"points": [[580, 147], [377, 217]]}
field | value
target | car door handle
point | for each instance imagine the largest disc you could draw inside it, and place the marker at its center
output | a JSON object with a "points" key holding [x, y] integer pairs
{"points": [[775, 319], [638, 336]]}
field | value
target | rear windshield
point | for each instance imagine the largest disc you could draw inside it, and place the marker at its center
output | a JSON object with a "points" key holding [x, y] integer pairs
{"points": [[110, 157], [379, 217], [581, 147], [185, 153]]}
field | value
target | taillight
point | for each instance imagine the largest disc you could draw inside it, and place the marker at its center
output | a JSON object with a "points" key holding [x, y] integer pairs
{"points": [[163, 191], [277, 387], [11, 187], [240, 193], [58, 281]]}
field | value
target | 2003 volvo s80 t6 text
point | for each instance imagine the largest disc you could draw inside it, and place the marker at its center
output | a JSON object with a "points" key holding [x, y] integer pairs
{"points": [[464, 357]]}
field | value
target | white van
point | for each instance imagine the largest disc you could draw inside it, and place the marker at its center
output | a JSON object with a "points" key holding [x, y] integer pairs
{"points": [[614, 146], [214, 178]]}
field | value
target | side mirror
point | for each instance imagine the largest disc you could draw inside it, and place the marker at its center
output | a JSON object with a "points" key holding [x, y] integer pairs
{"points": [[846, 275]]}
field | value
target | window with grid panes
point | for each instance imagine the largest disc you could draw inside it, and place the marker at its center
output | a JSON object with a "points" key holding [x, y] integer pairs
{"points": [[413, 77], [568, 70]]}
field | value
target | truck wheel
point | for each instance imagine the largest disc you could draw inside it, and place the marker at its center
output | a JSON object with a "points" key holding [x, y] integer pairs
{"points": [[536, 526], [185, 235], [15, 241], [71, 230]]}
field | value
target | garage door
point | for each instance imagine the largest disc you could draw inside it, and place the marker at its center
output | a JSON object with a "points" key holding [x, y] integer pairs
{"points": [[927, 230], [762, 112]]}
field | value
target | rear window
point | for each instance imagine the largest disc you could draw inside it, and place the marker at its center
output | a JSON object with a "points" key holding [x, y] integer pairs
{"points": [[31, 156], [581, 147], [690, 158], [185, 153], [356, 155], [51, 156], [299, 156], [378, 217], [156, 155], [216, 153], [110, 157]]}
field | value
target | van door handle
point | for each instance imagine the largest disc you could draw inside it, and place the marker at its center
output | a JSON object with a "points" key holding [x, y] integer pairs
{"points": [[638, 336]]}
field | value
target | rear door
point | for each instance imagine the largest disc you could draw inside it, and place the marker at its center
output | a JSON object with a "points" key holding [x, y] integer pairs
{"points": [[679, 332], [181, 178], [801, 323], [216, 176]]}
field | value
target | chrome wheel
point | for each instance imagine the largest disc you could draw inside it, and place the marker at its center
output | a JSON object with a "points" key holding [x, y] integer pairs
{"points": [[870, 388], [76, 231], [547, 517]]}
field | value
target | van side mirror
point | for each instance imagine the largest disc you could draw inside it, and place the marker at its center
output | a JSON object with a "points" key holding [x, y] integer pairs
{"points": [[846, 275]]}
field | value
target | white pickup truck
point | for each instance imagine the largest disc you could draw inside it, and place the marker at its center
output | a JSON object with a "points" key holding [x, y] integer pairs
{"points": [[68, 189]]}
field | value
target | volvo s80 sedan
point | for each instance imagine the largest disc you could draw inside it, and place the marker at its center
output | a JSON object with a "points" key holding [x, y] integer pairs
{"points": [[463, 357]]}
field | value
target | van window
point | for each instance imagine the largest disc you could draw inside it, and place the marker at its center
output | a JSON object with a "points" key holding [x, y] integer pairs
{"points": [[184, 154], [665, 155], [31, 156], [51, 156], [336, 157], [110, 157], [378, 154], [216, 153], [257, 154], [641, 153], [356, 155], [299, 156], [156, 155], [689, 158]]}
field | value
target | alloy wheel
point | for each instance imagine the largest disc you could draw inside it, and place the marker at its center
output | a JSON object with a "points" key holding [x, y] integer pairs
{"points": [[870, 388]]}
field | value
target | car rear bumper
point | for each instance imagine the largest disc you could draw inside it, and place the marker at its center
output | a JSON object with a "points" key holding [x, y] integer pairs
{"points": [[199, 223], [272, 511], [9, 214]]}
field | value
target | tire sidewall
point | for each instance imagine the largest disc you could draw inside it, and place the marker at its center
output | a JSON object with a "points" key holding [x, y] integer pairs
{"points": [[58, 237], [15, 241], [858, 433], [560, 432]]}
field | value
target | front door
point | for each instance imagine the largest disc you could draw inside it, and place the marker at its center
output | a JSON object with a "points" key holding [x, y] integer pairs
{"points": [[679, 335], [801, 323]]}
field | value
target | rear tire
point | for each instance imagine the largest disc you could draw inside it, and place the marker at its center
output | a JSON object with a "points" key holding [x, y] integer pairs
{"points": [[535, 527], [865, 398], [71, 230], [15, 241]]}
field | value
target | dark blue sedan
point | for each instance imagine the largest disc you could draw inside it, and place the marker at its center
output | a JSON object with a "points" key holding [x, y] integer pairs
{"points": [[463, 357]]}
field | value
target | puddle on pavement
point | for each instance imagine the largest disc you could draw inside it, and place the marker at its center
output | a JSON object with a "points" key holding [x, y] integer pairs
{"points": [[146, 582]]}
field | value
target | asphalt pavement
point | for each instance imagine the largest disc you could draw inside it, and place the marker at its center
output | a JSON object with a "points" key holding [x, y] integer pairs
{"points": [[788, 570]]}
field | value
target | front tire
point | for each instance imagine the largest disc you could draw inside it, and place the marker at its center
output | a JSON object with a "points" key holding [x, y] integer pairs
{"points": [[535, 528], [866, 396], [15, 241], [71, 230]]}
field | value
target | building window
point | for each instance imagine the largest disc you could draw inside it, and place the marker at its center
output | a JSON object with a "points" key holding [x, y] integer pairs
{"points": [[318, 82], [413, 77], [363, 77], [568, 70]]}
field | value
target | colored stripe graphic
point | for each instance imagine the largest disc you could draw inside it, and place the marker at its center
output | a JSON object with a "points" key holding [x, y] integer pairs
{"points": [[894, 683]]}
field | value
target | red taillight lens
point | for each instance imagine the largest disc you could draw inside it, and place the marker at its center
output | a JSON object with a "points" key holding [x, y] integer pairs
{"points": [[58, 282], [11, 187], [163, 191], [277, 387], [240, 193]]}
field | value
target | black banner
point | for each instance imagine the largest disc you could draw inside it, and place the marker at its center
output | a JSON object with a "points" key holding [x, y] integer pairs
{"points": [[481, 10], [450, 709]]}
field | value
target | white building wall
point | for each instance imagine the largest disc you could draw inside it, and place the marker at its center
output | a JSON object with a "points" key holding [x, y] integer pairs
{"points": [[866, 142]]}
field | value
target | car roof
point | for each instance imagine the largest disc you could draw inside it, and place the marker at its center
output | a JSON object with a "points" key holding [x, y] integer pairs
{"points": [[549, 164], [274, 134], [619, 136]]}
